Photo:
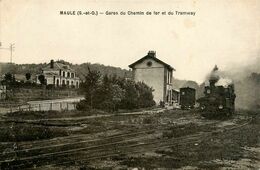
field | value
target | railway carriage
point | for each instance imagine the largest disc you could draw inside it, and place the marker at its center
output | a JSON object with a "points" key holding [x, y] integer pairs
{"points": [[187, 97]]}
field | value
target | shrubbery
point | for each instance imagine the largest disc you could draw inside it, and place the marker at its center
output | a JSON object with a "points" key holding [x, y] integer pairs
{"points": [[113, 93], [83, 105], [26, 132]]}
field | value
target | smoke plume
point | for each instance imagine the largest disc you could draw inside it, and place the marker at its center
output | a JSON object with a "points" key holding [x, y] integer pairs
{"points": [[246, 80], [218, 78], [225, 82], [214, 74]]}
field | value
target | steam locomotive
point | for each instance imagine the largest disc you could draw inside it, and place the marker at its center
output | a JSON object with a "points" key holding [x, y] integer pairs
{"points": [[218, 100]]}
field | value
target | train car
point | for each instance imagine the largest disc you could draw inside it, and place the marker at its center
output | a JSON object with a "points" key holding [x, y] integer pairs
{"points": [[187, 97], [218, 100]]}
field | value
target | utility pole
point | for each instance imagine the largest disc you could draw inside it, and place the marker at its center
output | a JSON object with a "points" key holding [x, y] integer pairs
{"points": [[11, 49], [11, 52]]}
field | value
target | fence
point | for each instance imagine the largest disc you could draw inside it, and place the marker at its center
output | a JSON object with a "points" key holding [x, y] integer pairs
{"points": [[55, 106]]}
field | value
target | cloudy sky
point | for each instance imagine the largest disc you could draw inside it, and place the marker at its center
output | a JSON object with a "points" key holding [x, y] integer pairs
{"points": [[222, 32]]}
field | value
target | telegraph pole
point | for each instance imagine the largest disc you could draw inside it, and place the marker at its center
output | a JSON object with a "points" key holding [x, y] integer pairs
{"points": [[11, 52], [11, 49]]}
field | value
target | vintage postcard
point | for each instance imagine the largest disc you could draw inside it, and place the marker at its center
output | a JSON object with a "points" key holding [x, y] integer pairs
{"points": [[129, 85]]}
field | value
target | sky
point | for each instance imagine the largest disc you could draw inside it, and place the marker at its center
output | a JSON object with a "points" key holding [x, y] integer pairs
{"points": [[222, 32]]}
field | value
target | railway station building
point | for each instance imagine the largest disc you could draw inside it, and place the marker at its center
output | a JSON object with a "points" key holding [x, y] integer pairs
{"points": [[156, 74]]}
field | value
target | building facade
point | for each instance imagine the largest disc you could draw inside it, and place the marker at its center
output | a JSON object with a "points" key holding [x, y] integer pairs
{"points": [[175, 96], [2, 91], [156, 74], [59, 74]]}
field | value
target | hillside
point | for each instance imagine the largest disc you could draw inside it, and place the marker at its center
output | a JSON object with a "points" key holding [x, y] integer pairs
{"points": [[81, 69], [177, 84]]}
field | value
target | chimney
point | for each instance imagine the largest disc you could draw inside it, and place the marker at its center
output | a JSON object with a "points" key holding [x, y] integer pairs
{"points": [[215, 68], [152, 53], [214, 77], [212, 82], [52, 63]]}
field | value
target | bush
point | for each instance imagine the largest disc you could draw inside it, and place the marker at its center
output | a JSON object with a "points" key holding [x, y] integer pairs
{"points": [[113, 93], [83, 105], [107, 106], [148, 120], [50, 86], [26, 132]]}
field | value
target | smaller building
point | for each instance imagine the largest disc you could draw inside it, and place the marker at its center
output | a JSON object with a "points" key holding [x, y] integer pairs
{"points": [[59, 74]]}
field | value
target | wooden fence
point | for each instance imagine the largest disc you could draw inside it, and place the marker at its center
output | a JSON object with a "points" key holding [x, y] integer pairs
{"points": [[55, 106]]}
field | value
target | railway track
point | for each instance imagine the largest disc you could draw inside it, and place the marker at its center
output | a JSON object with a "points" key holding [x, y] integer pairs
{"points": [[46, 122], [115, 137], [79, 139], [106, 150], [58, 139], [106, 147]]}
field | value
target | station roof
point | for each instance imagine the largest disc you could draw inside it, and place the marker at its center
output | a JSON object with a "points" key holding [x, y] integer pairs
{"points": [[153, 58]]}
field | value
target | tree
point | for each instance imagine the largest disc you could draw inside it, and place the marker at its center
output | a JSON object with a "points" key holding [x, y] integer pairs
{"points": [[8, 78], [91, 86], [145, 96], [28, 76], [130, 100], [117, 95], [41, 78], [111, 93]]}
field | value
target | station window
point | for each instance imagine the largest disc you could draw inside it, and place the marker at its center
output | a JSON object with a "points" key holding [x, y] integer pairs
{"points": [[149, 63]]}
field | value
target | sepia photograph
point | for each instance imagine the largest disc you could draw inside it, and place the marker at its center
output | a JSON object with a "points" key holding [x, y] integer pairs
{"points": [[130, 85]]}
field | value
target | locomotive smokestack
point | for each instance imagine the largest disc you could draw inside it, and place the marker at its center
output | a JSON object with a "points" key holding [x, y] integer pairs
{"points": [[214, 77]]}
